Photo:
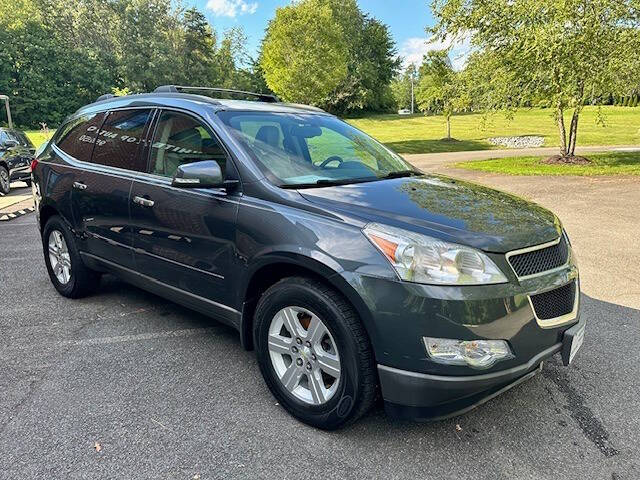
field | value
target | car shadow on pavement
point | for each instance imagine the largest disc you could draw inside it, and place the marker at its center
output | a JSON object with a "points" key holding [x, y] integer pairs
{"points": [[204, 389]]}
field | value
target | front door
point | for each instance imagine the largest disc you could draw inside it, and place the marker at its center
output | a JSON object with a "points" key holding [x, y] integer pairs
{"points": [[101, 188], [185, 237]]}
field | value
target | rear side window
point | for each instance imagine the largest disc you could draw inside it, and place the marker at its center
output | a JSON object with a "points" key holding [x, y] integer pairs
{"points": [[118, 141], [77, 137], [180, 139]]}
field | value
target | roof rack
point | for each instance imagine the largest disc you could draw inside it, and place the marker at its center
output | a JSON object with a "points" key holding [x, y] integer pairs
{"points": [[263, 97]]}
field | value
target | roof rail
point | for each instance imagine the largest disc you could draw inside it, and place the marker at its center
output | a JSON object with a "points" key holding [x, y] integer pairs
{"points": [[263, 97], [106, 96]]}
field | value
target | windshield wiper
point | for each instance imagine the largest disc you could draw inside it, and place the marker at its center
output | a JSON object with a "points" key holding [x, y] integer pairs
{"points": [[326, 182], [401, 174]]}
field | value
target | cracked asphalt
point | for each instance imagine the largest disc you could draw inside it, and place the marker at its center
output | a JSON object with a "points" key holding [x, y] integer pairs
{"points": [[168, 393]]}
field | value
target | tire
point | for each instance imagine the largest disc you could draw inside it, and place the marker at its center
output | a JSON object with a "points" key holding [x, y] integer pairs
{"points": [[355, 391], [81, 280], [4, 180]]}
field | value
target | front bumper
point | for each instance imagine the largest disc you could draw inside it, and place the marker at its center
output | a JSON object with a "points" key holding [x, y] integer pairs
{"points": [[420, 396], [20, 173]]}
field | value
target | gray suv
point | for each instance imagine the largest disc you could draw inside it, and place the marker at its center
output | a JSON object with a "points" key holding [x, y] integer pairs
{"points": [[351, 273]]}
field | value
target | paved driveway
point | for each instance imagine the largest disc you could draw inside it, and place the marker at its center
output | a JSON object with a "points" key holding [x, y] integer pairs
{"points": [[168, 393]]}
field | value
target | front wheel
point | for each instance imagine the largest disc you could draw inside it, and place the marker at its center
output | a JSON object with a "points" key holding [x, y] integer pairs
{"points": [[314, 353], [5, 182]]}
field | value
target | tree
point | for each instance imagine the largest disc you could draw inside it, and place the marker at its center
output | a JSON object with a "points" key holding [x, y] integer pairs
{"points": [[304, 53], [330, 46], [372, 61], [440, 89], [561, 50], [198, 50]]}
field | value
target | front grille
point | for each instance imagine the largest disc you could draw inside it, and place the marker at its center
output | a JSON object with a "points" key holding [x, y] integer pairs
{"points": [[538, 261], [554, 303]]}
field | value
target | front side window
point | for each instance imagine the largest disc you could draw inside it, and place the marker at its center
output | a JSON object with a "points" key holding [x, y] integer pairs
{"points": [[181, 139], [309, 149], [118, 141], [77, 137]]}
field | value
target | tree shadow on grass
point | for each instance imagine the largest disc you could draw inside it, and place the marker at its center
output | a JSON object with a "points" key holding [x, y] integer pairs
{"points": [[436, 146], [614, 159]]}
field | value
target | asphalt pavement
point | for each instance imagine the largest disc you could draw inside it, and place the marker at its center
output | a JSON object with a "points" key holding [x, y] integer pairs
{"points": [[124, 384]]}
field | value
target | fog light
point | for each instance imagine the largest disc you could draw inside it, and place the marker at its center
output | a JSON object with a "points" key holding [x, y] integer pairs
{"points": [[474, 353]]}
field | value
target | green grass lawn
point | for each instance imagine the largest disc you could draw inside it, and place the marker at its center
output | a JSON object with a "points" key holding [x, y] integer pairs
{"points": [[610, 163], [37, 137], [420, 134]]}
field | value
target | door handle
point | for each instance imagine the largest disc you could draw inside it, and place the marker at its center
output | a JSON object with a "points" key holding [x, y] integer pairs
{"points": [[79, 186], [145, 202]]}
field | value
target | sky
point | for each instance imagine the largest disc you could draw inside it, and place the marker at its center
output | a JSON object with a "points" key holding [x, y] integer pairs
{"points": [[406, 19]]}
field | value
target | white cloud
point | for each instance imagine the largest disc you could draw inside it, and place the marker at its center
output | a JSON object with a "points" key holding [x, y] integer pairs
{"points": [[231, 8], [413, 49]]}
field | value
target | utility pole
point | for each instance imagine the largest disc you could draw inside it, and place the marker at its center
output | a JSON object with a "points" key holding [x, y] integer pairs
{"points": [[411, 93], [6, 104]]}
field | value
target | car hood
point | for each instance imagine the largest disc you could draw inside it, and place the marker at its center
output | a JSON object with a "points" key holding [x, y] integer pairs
{"points": [[445, 208]]}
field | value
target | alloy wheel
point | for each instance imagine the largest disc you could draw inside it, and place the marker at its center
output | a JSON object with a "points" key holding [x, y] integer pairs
{"points": [[59, 257], [304, 355], [4, 180]]}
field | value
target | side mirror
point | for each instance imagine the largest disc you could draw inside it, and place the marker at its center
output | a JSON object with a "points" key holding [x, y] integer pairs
{"points": [[205, 174]]}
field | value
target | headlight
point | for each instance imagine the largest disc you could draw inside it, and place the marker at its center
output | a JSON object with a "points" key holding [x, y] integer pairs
{"points": [[422, 259], [474, 353]]}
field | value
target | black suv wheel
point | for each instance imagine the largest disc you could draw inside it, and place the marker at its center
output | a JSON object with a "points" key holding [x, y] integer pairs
{"points": [[67, 272], [4, 180], [314, 353]]}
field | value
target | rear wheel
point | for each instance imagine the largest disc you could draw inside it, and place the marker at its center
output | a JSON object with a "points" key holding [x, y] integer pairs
{"points": [[314, 353], [69, 275], [4, 180]]}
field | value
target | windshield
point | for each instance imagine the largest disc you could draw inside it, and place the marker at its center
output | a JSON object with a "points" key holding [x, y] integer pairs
{"points": [[18, 137], [312, 149]]}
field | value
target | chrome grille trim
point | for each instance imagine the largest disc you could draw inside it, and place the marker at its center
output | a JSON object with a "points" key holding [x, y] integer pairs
{"points": [[562, 319], [534, 248]]}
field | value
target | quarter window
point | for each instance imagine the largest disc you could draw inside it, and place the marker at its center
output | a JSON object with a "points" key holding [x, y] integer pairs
{"points": [[77, 137], [181, 139], [118, 141]]}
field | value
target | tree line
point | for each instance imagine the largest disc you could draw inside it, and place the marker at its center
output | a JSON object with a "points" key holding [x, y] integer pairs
{"points": [[58, 55]]}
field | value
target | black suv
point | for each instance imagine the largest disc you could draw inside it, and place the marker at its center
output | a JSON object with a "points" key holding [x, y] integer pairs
{"points": [[349, 271], [16, 154]]}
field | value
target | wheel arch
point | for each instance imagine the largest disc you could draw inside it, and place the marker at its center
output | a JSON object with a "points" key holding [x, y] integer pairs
{"points": [[271, 270], [46, 212]]}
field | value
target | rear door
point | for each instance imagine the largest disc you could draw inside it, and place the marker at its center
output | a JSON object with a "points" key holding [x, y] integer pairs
{"points": [[184, 237], [100, 198]]}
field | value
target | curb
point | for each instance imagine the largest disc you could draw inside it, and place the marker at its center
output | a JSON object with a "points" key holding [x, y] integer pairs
{"points": [[13, 215]]}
